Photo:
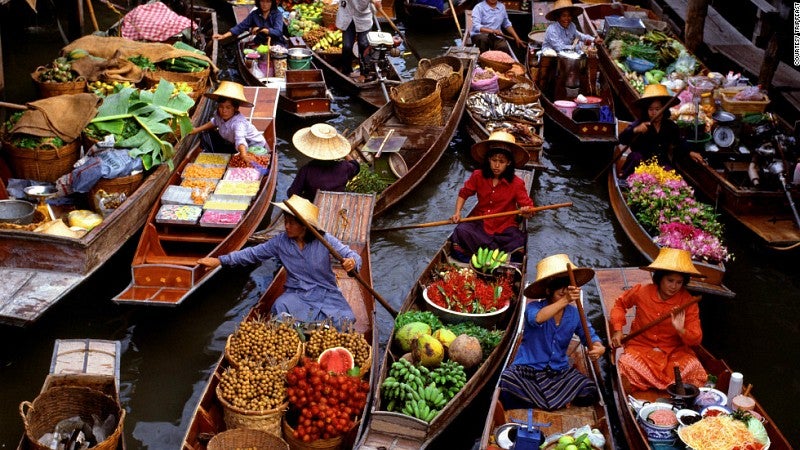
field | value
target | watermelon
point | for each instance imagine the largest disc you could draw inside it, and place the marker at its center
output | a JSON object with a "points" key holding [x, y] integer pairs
{"points": [[336, 359]]}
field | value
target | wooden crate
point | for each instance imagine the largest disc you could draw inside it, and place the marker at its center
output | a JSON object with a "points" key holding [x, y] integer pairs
{"points": [[301, 84], [91, 363]]}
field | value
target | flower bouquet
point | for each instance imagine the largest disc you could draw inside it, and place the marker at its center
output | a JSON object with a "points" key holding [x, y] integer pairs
{"points": [[458, 295], [666, 207]]}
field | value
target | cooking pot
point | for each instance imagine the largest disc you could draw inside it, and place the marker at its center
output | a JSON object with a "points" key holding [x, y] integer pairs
{"points": [[570, 65]]}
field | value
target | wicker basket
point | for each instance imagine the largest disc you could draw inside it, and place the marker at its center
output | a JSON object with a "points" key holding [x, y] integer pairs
{"points": [[286, 364], [198, 81], [320, 444], [519, 96], [418, 102], [59, 403], [52, 89], [500, 67], [268, 420], [126, 185], [244, 438], [46, 163], [444, 69], [742, 106], [329, 15]]}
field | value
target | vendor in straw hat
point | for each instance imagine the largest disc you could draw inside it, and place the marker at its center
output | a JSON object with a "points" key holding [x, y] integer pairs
{"points": [[653, 133], [326, 170], [562, 33], [310, 293], [489, 19], [649, 358], [498, 190], [541, 375], [233, 127]]}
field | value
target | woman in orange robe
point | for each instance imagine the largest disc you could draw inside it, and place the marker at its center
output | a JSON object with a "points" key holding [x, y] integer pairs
{"points": [[649, 358]]}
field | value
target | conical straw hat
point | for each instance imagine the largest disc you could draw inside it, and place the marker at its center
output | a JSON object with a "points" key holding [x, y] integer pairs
{"points": [[231, 90], [503, 140], [552, 267], [674, 260], [653, 92], [305, 208], [321, 141], [561, 5]]}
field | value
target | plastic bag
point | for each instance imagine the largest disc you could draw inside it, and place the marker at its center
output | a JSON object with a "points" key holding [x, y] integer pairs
{"points": [[108, 202], [85, 219], [484, 85]]}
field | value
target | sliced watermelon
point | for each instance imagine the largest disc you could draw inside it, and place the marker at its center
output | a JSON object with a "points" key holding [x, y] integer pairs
{"points": [[336, 360]]}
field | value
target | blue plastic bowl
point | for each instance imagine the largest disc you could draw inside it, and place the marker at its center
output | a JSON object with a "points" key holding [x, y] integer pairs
{"points": [[639, 65]]}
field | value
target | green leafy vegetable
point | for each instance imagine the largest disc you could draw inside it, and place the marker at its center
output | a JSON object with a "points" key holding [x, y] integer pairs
{"points": [[418, 316], [367, 181]]}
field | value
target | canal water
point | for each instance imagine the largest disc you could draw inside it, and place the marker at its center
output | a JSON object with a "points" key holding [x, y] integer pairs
{"points": [[168, 354]]}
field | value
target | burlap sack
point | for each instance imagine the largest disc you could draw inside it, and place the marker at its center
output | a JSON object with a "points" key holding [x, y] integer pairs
{"points": [[117, 47], [114, 69], [64, 116]]}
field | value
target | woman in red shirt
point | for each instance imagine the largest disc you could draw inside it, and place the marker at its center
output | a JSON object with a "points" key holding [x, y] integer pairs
{"points": [[498, 190], [650, 357]]}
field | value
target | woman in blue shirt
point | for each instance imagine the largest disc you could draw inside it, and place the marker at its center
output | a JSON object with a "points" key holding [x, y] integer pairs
{"points": [[541, 375], [264, 21], [310, 293], [562, 33]]}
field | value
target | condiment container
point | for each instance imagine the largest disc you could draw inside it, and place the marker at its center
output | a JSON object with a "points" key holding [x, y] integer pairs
{"points": [[743, 402], [735, 386]]}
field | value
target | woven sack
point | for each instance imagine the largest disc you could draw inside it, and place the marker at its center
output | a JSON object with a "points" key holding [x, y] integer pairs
{"points": [[286, 364], [51, 89], [268, 420], [244, 438], [485, 85], [418, 102], [46, 163], [59, 403], [444, 69]]}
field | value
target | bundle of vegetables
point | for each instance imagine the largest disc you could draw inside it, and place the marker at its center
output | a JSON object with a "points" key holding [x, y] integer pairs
{"points": [[142, 119], [58, 71], [143, 62], [311, 12], [368, 182], [299, 27], [27, 140], [184, 63]]}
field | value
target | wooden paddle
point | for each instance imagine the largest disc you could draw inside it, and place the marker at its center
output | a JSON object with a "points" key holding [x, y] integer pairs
{"points": [[455, 16], [584, 323], [472, 219], [402, 35], [677, 309], [339, 258], [13, 106]]}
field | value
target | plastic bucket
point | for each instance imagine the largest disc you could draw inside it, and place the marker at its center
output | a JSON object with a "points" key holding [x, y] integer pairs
{"points": [[565, 106], [300, 63]]}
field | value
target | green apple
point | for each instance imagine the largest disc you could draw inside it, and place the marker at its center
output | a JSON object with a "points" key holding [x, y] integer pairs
{"points": [[566, 439]]}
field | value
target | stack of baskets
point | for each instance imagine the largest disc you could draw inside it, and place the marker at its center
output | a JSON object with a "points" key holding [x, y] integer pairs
{"points": [[51, 89], [444, 69], [44, 163], [495, 65], [418, 102]]}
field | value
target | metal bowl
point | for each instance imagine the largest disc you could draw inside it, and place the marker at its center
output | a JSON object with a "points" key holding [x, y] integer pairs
{"points": [[299, 53], [18, 212]]}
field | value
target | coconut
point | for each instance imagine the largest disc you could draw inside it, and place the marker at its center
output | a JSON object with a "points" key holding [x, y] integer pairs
{"points": [[466, 350], [409, 332]]}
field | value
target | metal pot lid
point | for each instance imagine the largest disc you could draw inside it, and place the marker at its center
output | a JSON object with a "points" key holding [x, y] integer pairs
{"points": [[723, 116]]}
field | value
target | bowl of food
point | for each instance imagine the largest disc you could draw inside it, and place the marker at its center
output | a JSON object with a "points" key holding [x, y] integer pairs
{"points": [[687, 417], [714, 411], [659, 421], [710, 397]]}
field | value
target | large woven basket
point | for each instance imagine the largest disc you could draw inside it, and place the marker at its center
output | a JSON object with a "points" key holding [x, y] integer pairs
{"points": [[286, 364], [126, 185], [418, 102], [59, 403], [519, 96], [46, 163], [320, 444], [52, 89], [501, 67], [268, 420], [198, 81], [244, 438], [450, 81], [329, 15]]}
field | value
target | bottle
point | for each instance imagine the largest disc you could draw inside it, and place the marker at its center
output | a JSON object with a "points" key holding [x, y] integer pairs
{"points": [[735, 386]]}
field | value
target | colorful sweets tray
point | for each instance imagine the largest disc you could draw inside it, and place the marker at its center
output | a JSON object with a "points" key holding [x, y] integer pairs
{"points": [[179, 214], [228, 187], [222, 219]]}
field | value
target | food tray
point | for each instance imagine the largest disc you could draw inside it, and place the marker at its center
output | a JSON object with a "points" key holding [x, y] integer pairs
{"points": [[230, 187], [177, 195], [242, 174], [201, 188], [217, 159], [179, 214], [220, 219], [227, 202], [193, 170]]}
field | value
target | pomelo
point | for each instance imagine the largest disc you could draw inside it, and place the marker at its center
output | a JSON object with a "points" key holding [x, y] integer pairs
{"points": [[336, 359]]}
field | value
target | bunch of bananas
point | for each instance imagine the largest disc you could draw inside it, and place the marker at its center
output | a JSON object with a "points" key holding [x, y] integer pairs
{"points": [[486, 260], [413, 390], [331, 41]]}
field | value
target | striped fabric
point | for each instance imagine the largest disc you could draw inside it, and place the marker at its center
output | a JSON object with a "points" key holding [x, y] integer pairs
{"points": [[548, 390]]}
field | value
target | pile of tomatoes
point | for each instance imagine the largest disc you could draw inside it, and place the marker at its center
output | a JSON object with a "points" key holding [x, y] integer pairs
{"points": [[328, 404]]}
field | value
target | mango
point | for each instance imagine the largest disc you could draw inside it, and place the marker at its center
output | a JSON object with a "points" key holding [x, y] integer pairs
{"points": [[409, 332]]}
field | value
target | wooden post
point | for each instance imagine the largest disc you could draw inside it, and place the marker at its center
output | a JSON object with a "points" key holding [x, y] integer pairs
{"points": [[771, 54], [696, 12]]}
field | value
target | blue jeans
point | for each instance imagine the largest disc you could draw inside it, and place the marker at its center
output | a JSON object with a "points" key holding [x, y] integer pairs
{"points": [[349, 38]]}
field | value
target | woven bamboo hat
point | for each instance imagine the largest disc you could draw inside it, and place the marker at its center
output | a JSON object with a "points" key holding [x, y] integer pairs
{"points": [[561, 5], [674, 260], [321, 141], [500, 140], [652, 92], [553, 267], [305, 208], [230, 90]]}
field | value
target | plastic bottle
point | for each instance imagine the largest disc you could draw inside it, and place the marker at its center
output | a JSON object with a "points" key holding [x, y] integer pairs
{"points": [[735, 386]]}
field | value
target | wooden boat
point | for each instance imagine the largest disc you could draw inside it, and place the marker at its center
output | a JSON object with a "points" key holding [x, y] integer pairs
{"points": [[354, 232], [611, 283], [90, 363], [422, 146], [560, 420], [165, 269], [395, 430], [529, 134], [711, 284]]}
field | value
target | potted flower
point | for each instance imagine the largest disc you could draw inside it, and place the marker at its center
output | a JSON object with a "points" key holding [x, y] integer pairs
{"points": [[457, 294]]}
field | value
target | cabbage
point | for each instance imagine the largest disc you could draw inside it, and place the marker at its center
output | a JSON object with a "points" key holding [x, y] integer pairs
{"points": [[757, 430]]}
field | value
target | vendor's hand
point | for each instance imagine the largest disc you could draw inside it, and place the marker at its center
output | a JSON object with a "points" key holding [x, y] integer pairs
{"points": [[527, 211], [248, 157], [697, 157], [254, 30], [616, 339], [678, 321], [574, 293], [348, 264], [209, 262], [598, 40], [642, 127], [456, 217], [597, 350], [519, 42]]}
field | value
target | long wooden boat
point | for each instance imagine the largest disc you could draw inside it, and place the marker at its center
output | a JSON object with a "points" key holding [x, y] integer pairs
{"points": [[165, 269], [528, 133], [711, 284], [354, 232], [90, 363], [387, 429], [423, 145], [561, 420], [611, 283]]}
